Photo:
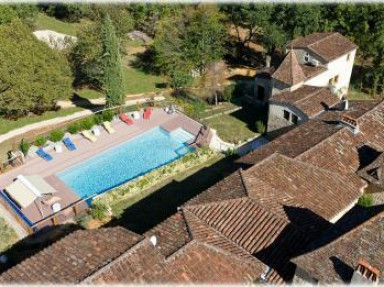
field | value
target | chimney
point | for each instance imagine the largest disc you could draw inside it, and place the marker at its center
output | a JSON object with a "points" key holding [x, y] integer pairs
{"points": [[365, 273], [351, 123], [268, 61], [346, 104]]}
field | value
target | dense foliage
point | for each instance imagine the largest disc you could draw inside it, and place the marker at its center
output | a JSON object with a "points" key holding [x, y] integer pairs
{"points": [[111, 64], [32, 75]]}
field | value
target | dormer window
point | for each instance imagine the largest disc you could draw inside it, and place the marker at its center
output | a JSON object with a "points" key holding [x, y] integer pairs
{"points": [[306, 57]]}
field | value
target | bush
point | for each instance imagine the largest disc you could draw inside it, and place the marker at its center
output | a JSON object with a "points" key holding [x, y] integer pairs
{"points": [[228, 93], [260, 127], [56, 135], [24, 147], [98, 211], [73, 128], [98, 119], [87, 123], [108, 115], [40, 141], [365, 200], [83, 220]]}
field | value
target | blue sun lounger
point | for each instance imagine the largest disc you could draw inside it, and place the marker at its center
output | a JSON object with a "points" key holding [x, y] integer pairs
{"points": [[40, 152], [69, 144]]}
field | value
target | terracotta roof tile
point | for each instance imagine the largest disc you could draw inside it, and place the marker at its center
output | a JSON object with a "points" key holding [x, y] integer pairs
{"points": [[310, 100], [289, 72], [328, 46], [73, 258], [335, 262], [329, 193]]}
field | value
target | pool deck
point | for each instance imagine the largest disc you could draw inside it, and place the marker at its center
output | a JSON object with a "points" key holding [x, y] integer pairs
{"points": [[87, 149]]}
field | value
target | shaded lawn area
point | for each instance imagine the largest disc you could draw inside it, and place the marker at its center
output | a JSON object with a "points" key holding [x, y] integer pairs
{"points": [[164, 200], [357, 95], [234, 127], [89, 94], [8, 125], [45, 22], [7, 235]]}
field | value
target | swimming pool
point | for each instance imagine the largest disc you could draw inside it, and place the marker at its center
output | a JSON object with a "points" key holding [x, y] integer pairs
{"points": [[125, 162]]}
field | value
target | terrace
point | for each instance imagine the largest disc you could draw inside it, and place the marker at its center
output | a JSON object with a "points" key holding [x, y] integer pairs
{"points": [[70, 202]]}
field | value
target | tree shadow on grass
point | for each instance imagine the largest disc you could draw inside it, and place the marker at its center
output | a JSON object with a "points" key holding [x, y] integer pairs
{"points": [[84, 103], [163, 203]]}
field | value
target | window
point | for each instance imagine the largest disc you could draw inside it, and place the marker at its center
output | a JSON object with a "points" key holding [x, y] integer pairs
{"points": [[336, 79], [330, 82], [286, 115], [348, 56], [295, 119], [260, 93], [306, 57]]}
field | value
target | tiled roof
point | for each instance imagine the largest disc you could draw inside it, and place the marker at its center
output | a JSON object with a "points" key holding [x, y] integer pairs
{"points": [[289, 72], [243, 221], [73, 258], [230, 187], [310, 100], [317, 132], [329, 193], [341, 152], [171, 234], [328, 46], [311, 71], [336, 261], [196, 262]]}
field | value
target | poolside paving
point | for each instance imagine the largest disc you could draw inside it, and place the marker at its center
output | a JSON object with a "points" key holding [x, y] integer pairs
{"points": [[87, 149]]}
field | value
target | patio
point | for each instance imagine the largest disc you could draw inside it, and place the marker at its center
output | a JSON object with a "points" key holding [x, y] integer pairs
{"points": [[87, 149]]}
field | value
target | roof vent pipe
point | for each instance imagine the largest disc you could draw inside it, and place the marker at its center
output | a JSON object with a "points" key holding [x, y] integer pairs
{"points": [[346, 104], [153, 240]]}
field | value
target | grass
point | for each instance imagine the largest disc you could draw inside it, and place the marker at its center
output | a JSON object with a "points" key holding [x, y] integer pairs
{"points": [[357, 95], [7, 235], [136, 81], [44, 22], [8, 125], [89, 94], [234, 127], [119, 208]]}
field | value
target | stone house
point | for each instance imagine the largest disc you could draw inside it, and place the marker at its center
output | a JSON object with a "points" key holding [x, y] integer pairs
{"points": [[313, 77]]}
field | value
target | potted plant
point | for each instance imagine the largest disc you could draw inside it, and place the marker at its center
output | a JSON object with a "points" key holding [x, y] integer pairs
{"points": [[56, 136]]}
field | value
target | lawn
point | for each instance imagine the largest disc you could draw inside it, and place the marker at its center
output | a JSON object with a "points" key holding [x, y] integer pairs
{"points": [[7, 235], [136, 81], [234, 127], [89, 94], [8, 125], [44, 22], [357, 95]]}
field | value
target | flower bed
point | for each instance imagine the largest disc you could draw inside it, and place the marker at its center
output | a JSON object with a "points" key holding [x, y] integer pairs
{"points": [[154, 177]]}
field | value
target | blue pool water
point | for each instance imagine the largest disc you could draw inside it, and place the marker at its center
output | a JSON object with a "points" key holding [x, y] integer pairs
{"points": [[126, 161]]}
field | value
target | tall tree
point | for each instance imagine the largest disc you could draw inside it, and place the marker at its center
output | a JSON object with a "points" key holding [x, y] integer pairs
{"points": [[189, 43], [111, 63], [32, 75]]}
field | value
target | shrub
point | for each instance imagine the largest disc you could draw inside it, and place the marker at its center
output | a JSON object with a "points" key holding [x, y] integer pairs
{"points": [[83, 220], [87, 123], [108, 115], [73, 128], [365, 200], [98, 119], [98, 211], [24, 147], [260, 127], [228, 92], [40, 141], [56, 135]]}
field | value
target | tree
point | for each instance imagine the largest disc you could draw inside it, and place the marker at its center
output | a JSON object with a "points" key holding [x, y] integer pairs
{"points": [[32, 75], [274, 38], [190, 42], [26, 13], [111, 63], [85, 57]]}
